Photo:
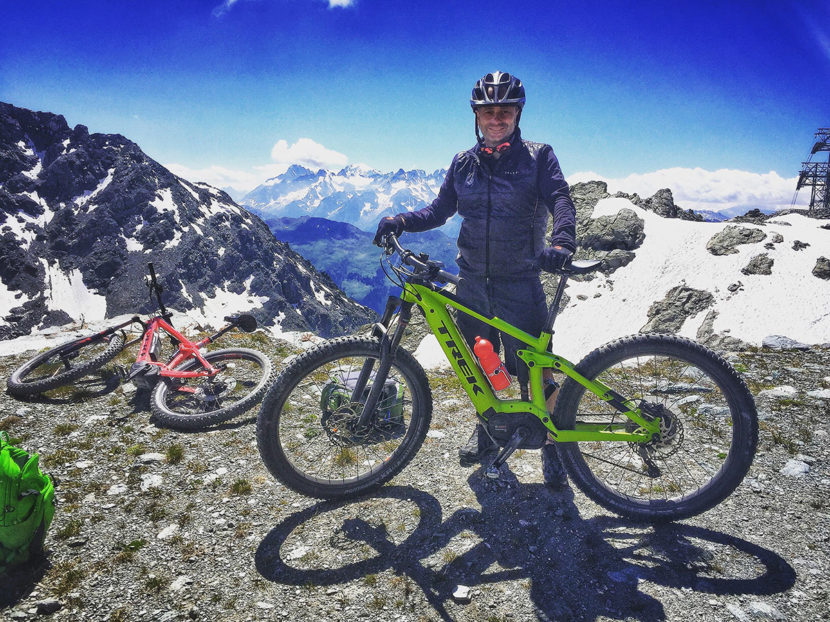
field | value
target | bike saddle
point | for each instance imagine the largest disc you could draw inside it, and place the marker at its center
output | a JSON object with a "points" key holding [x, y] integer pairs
{"points": [[243, 321], [584, 266]]}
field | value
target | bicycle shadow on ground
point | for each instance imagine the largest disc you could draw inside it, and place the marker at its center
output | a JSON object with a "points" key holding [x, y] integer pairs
{"points": [[573, 568]]}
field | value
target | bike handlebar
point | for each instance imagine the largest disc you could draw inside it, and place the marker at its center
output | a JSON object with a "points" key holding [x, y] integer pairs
{"points": [[435, 272]]}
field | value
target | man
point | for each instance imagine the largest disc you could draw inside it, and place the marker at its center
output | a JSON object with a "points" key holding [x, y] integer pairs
{"points": [[503, 189]]}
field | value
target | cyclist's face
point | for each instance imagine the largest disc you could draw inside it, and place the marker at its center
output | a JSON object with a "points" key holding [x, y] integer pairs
{"points": [[496, 123]]}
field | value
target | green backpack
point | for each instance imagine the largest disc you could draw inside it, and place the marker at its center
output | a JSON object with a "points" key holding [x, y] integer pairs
{"points": [[339, 392], [27, 504]]}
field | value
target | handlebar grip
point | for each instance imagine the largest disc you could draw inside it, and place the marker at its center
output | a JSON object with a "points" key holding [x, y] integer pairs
{"points": [[449, 277]]}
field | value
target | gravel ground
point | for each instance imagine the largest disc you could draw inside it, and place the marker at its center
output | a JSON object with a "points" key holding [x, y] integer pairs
{"points": [[154, 524]]}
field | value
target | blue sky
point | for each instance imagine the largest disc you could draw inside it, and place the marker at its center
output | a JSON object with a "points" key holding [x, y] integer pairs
{"points": [[231, 91]]}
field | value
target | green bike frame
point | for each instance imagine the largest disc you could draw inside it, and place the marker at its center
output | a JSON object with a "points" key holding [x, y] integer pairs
{"points": [[434, 304]]}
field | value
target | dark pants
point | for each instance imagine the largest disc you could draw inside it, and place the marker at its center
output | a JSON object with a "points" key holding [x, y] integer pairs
{"points": [[519, 301]]}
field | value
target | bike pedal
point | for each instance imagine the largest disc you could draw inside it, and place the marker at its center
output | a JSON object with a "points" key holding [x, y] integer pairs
{"points": [[491, 472]]}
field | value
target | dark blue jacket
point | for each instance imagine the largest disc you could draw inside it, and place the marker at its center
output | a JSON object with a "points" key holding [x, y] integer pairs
{"points": [[504, 207]]}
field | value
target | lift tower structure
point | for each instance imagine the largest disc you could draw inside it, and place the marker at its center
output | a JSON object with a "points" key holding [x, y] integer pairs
{"points": [[817, 174]]}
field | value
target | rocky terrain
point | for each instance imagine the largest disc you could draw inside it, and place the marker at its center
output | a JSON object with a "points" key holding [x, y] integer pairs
{"points": [[82, 214], [154, 524]]}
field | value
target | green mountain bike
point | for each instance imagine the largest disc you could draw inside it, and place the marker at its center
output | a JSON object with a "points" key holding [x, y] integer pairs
{"points": [[653, 427]]}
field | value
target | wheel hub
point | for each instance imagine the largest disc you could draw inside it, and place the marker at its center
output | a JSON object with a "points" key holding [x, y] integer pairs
{"points": [[667, 440], [340, 424], [215, 391]]}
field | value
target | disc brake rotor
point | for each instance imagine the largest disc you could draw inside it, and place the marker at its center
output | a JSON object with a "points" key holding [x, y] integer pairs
{"points": [[664, 443], [340, 424], [215, 390]]}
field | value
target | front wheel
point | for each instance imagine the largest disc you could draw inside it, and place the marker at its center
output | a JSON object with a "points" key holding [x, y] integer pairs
{"points": [[64, 365], [708, 431], [195, 403], [307, 428]]}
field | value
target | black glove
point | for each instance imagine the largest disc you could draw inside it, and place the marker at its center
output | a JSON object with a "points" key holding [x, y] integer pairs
{"points": [[390, 224], [553, 258]]}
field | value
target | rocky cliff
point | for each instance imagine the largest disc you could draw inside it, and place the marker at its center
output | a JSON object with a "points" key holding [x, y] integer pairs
{"points": [[82, 214]]}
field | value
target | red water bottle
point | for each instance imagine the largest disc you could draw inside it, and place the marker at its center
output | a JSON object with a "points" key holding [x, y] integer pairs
{"points": [[491, 364]]}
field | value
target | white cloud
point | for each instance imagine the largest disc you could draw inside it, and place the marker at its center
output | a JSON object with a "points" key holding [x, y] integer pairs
{"points": [[217, 176], [226, 5], [308, 153], [223, 8], [305, 152], [699, 189]]}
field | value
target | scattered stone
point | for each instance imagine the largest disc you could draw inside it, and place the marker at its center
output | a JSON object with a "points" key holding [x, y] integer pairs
{"points": [[739, 613], [435, 434], [765, 611], [150, 480], [822, 268], [48, 606], [725, 241], [461, 594], [734, 287], [180, 583], [798, 245], [760, 264], [151, 458], [623, 230], [680, 303], [779, 342], [795, 468], [822, 394], [782, 391], [117, 489], [167, 532]]}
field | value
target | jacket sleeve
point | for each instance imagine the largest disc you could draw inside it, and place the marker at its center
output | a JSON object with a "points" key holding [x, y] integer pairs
{"points": [[436, 213], [556, 195]]}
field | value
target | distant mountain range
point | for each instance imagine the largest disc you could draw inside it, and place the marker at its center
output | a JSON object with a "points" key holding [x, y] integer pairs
{"points": [[82, 214], [356, 195]]}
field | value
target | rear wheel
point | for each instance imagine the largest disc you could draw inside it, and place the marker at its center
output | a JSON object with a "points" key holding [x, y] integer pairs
{"points": [[708, 431], [64, 365], [307, 428], [194, 403]]}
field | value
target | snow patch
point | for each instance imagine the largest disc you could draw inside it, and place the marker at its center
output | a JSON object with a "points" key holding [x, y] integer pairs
{"points": [[67, 292], [88, 195], [674, 253]]}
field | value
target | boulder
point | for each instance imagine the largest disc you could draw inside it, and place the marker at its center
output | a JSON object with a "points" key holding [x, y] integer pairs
{"points": [[624, 230], [760, 264], [780, 342], [662, 204], [822, 268], [725, 241], [680, 303]]}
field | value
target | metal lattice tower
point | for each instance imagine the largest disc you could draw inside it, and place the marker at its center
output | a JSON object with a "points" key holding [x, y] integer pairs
{"points": [[817, 174]]}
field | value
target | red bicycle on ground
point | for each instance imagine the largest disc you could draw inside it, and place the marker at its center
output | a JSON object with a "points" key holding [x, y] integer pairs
{"points": [[191, 390]]}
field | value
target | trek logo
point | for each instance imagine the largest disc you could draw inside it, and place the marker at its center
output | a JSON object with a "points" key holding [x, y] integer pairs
{"points": [[462, 363]]}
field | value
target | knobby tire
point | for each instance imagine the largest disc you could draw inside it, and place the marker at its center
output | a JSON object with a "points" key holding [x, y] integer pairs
{"points": [[319, 452], [233, 391], [701, 458], [49, 370]]}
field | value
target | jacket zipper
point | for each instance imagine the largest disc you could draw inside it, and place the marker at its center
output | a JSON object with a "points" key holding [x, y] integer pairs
{"points": [[487, 227]]}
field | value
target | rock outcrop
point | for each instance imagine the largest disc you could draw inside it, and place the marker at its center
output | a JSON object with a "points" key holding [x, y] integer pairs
{"points": [[82, 214]]}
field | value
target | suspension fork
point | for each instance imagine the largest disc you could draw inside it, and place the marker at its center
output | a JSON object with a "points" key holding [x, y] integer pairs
{"points": [[388, 347]]}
